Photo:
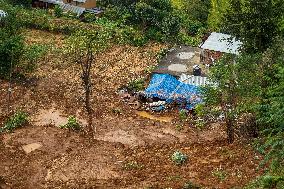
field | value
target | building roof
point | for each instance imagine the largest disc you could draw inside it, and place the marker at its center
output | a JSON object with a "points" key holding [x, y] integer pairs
{"points": [[222, 43], [80, 1], [75, 9], [53, 1]]}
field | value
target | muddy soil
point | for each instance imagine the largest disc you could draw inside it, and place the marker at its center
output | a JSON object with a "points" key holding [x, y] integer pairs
{"points": [[129, 149]]}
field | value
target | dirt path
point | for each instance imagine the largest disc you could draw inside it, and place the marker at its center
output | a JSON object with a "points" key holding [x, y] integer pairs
{"points": [[129, 151]]}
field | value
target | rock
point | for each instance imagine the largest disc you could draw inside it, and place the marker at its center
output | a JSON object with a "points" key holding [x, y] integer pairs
{"points": [[31, 147]]}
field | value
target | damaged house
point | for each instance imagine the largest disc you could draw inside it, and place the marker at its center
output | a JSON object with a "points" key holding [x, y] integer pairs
{"points": [[216, 45]]}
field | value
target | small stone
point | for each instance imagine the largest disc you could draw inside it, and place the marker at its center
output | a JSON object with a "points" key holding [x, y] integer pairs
{"points": [[31, 147]]}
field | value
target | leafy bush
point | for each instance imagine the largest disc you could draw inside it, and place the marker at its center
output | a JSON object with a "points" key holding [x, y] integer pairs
{"points": [[153, 18], [154, 33], [220, 174], [32, 54], [267, 182], [170, 25], [25, 3], [136, 84], [190, 185], [178, 158], [88, 17], [19, 119], [72, 124], [179, 127], [119, 14], [58, 12], [11, 44], [183, 115]]}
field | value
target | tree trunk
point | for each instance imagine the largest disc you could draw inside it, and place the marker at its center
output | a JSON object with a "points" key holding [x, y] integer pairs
{"points": [[10, 85], [88, 105], [230, 130]]}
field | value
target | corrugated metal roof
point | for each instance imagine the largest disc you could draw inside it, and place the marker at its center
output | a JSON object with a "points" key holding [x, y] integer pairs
{"points": [[53, 1], [3, 13], [75, 9], [194, 80], [80, 1], [222, 43]]}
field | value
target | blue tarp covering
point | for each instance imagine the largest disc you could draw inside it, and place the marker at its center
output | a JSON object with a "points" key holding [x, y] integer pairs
{"points": [[168, 88]]}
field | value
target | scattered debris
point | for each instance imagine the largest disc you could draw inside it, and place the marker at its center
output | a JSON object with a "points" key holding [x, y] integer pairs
{"points": [[167, 88], [194, 80]]}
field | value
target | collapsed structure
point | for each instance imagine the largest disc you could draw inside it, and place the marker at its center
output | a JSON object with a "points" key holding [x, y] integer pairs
{"points": [[77, 7], [182, 72], [216, 45]]}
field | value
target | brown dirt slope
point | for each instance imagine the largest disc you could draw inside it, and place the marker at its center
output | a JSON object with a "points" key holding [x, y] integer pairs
{"points": [[128, 151]]}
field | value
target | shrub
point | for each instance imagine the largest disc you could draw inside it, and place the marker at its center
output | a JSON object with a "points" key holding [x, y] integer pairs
{"points": [[88, 17], [220, 174], [178, 158], [25, 3], [58, 12], [154, 33], [72, 124], [179, 127], [190, 185], [136, 84], [19, 119], [11, 44], [32, 54], [183, 115], [170, 25]]}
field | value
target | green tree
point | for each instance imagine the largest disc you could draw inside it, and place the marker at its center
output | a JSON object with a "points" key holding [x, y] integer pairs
{"points": [[25, 3], [83, 47], [255, 22], [216, 14], [235, 89], [11, 49], [197, 10], [58, 12]]}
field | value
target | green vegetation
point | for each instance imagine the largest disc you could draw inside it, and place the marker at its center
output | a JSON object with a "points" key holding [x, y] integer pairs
{"points": [[136, 84], [72, 124], [220, 174], [252, 83], [160, 20], [83, 46], [17, 120], [179, 127], [178, 158], [58, 12], [132, 165], [183, 115], [11, 44], [190, 185]]}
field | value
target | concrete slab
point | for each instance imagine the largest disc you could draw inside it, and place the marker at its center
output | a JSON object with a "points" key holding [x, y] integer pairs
{"points": [[178, 68], [180, 60]]}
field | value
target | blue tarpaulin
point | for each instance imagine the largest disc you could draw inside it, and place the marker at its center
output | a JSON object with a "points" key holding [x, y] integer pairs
{"points": [[168, 88]]}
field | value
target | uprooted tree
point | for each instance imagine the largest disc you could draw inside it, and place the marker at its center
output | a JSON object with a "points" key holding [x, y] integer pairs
{"points": [[83, 47]]}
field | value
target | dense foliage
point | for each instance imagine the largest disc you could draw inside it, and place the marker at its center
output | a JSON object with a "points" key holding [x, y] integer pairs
{"points": [[161, 20], [11, 44], [17, 120], [255, 22], [252, 83]]}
